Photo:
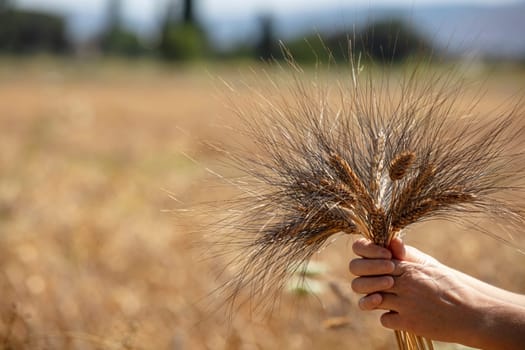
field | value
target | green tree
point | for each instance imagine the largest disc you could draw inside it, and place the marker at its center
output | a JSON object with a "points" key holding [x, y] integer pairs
{"points": [[188, 16], [181, 39], [116, 39], [28, 32], [267, 48], [312, 49], [5, 4], [391, 40], [384, 41]]}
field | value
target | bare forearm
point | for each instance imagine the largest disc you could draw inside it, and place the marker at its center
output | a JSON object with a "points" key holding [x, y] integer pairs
{"points": [[502, 326], [492, 291]]}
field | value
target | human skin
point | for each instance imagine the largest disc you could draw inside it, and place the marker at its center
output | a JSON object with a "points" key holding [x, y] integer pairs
{"points": [[424, 297]]}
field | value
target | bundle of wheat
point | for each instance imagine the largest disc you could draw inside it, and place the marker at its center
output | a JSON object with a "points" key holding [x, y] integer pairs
{"points": [[384, 155]]}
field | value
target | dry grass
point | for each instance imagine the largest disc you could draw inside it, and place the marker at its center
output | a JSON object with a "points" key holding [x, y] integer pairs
{"points": [[90, 260]]}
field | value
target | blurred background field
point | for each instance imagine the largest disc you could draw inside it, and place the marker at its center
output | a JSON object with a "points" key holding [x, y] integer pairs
{"points": [[90, 258], [94, 132]]}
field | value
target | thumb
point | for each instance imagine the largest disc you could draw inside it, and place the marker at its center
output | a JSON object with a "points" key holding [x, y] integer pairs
{"points": [[408, 253], [397, 247]]}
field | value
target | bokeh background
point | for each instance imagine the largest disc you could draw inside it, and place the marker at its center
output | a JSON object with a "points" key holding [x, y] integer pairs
{"points": [[106, 110]]}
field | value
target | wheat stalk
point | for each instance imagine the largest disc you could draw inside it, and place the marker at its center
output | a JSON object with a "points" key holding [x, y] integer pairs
{"points": [[319, 169]]}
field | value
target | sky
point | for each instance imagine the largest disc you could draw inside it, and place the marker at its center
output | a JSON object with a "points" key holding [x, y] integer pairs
{"points": [[86, 17], [139, 8]]}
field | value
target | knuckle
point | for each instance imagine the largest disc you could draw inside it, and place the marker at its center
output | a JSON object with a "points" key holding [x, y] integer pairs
{"points": [[410, 273], [406, 270]]}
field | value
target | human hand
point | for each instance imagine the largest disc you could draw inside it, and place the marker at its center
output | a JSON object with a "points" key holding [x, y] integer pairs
{"points": [[421, 295], [375, 267]]}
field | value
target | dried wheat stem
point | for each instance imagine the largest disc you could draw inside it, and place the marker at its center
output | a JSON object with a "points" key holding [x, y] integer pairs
{"points": [[341, 191], [378, 221], [397, 170], [391, 233], [348, 176], [322, 236], [408, 341], [412, 190]]}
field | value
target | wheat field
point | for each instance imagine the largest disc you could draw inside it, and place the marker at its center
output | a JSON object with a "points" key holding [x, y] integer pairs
{"points": [[93, 253]]}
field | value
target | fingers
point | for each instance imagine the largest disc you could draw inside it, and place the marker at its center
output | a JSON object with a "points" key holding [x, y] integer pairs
{"points": [[380, 301], [390, 302], [392, 320], [371, 267], [367, 285], [370, 302], [367, 249]]}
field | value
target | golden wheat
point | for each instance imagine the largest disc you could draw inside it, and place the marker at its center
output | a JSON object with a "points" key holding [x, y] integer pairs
{"points": [[400, 164], [319, 169]]}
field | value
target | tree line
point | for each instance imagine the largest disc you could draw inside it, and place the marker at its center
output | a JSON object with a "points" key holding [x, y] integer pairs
{"points": [[182, 38]]}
